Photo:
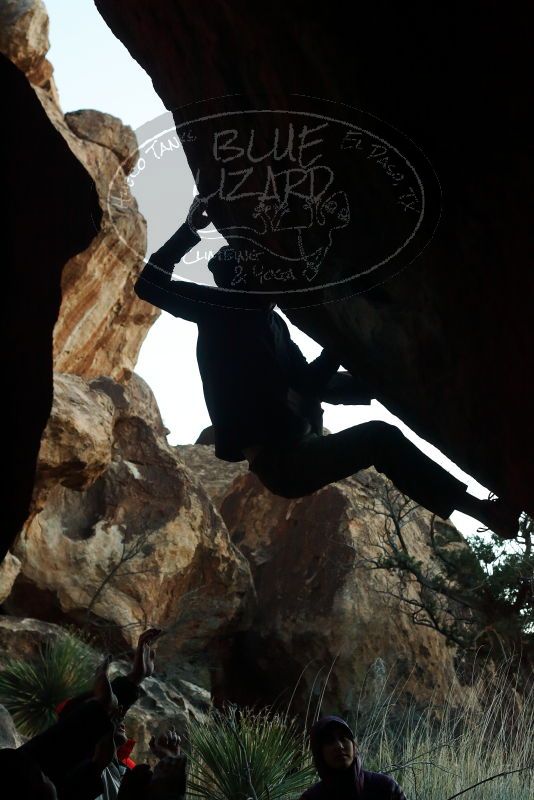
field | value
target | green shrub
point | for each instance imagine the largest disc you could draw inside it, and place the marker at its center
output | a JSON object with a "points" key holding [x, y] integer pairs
{"points": [[241, 754], [31, 690]]}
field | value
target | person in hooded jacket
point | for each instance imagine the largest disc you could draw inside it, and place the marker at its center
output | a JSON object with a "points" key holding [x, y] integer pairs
{"points": [[61, 747], [99, 775], [339, 765]]}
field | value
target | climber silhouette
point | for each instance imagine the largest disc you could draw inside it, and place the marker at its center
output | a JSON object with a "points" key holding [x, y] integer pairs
{"points": [[264, 399]]}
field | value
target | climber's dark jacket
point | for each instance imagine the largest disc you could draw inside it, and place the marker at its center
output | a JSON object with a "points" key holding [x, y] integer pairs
{"points": [[247, 360], [377, 786], [65, 744]]}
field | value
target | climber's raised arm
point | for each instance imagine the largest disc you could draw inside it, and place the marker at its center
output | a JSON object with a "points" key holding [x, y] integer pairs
{"points": [[155, 285], [185, 299], [175, 248]]}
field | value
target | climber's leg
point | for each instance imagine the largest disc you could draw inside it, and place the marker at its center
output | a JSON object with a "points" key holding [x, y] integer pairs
{"points": [[315, 461]]}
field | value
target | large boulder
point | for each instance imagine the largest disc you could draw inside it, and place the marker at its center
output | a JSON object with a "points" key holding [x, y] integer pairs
{"points": [[445, 344], [77, 447], [24, 39], [21, 639], [9, 569], [161, 705], [324, 613], [122, 534], [102, 323], [322, 605], [107, 131]]}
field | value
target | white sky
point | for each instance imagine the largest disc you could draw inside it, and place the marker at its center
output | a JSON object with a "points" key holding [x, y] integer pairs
{"points": [[93, 69]]}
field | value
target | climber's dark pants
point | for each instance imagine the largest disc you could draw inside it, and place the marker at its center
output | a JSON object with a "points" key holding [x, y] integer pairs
{"points": [[300, 468]]}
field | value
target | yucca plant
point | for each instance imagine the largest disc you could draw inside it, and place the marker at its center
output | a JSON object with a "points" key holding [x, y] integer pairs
{"points": [[243, 754], [31, 690]]}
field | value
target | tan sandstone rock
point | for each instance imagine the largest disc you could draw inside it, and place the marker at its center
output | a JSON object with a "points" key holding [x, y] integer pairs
{"points": [[21, 639], [160, 706], [9, 569], [102, 323], [24, 39], [216, 476], [320, 604], [76, 447], [141, 544], [107, 131]]}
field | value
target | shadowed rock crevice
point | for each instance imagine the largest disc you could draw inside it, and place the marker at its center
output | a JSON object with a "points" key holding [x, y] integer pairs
{"points": [[79, 522], [71, 260], [45, 228]]}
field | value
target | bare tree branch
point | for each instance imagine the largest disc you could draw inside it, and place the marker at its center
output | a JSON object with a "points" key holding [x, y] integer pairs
{"points": [[491, 778]]}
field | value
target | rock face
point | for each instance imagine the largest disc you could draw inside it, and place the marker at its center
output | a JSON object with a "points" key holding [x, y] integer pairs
{"points": [[212, 474], [106, 131], [9, 569], [70, 248], [22, 639], [123, 535], [77, 446], [160, 706], [320, 604], [102, 323], [444, 344], [24, 40]]}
